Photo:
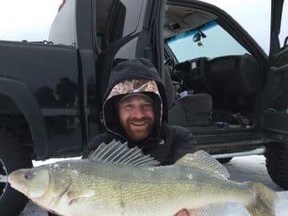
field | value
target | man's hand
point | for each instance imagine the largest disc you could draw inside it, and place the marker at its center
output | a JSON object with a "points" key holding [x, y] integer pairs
{"points": [[182, 212]]}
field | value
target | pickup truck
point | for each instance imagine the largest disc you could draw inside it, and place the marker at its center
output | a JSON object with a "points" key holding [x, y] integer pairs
{"points": [[221, 85]]}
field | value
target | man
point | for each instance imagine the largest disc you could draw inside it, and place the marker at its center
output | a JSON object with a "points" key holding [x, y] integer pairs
{"points": [[135, 110]]}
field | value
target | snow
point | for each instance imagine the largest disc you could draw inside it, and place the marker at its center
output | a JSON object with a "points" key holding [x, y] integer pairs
{"points": [[249, 168]]}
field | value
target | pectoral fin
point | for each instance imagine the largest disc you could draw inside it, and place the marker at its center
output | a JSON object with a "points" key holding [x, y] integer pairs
{"points": [[74, 196]]}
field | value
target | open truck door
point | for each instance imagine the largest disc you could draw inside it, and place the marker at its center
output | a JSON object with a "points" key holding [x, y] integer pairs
{"points": [[274, 119]]}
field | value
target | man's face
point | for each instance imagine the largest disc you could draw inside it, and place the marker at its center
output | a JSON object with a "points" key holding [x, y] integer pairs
{"points": [[136, 115]]}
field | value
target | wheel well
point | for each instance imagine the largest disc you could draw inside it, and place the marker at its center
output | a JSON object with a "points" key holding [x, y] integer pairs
{"points": [[14, 122]]}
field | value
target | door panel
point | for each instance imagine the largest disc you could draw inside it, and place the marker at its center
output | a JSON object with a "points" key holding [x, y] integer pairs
{"points": [[275, 116], [275, 98]]}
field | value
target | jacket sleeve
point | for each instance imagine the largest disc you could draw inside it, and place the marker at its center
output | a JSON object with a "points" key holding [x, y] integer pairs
{"points": [[182, 142]]}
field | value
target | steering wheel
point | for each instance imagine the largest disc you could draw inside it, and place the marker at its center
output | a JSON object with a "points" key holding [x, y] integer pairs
{"points": [[170, 64]]}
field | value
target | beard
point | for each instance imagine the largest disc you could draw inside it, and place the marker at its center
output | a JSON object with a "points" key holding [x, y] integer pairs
{"points": [[138, 129]]}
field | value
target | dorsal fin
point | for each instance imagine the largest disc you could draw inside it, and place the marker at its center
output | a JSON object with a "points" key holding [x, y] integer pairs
{"points": [[204, 161], [118, 153]]}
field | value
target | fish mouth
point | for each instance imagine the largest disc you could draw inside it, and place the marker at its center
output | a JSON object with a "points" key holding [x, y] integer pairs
{"points": [[12, 178], [15, 180]]}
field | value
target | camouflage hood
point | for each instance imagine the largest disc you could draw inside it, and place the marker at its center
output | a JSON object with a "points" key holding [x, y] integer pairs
{"points": [[134, 77]]}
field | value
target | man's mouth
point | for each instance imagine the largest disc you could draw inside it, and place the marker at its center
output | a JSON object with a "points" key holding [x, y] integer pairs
{"points": [[138, 123]]}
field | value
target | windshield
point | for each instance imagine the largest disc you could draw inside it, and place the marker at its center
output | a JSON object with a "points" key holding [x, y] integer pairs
{"points": [[209, 40]]}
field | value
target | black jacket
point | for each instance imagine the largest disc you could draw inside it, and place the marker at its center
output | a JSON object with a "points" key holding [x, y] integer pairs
{"points": [[167, 143]]}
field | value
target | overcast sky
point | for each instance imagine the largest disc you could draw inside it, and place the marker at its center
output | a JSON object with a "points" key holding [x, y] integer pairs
{"points": [[26, 19], [255, 19], [31, 19]]}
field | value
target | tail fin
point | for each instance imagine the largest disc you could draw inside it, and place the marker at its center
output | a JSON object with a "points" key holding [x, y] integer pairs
{"points": [[264, 203]]}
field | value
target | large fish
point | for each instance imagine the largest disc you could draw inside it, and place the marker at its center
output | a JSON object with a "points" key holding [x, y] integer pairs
{"points": [[117, 181]]}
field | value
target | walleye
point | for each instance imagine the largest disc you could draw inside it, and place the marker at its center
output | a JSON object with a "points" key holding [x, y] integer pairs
{"points": [[119, 181]]}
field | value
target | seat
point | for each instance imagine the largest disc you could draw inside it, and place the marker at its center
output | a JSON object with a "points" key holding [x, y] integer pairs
{"points": [[191, 110]]}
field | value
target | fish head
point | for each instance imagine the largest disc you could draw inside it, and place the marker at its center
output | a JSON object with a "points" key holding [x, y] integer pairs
{"points": [[33, 183]]}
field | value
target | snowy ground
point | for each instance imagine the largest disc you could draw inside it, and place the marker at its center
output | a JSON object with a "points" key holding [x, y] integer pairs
{"points": [[250, 168]]}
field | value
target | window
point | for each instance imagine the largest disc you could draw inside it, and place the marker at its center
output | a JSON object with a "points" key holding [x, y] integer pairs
{"points": [[284, 30], [209, 40]]}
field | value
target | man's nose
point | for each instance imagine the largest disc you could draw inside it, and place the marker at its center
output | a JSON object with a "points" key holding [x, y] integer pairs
{"points": [[138, 112]]}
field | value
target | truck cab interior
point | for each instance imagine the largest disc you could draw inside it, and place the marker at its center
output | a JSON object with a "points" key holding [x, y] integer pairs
{"points": [[216, 80]]}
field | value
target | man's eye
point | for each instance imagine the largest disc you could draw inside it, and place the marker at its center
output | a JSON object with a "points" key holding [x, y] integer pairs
{"points": [[147, 106], [128, 106]]}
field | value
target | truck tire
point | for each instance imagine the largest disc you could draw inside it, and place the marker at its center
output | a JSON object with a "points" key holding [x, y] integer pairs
{"points": [[12, 157], [277, 163]]}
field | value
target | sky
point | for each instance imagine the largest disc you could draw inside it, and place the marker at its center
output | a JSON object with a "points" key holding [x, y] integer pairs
{"points": [[255, 19], [27, 19], [31, 19]]}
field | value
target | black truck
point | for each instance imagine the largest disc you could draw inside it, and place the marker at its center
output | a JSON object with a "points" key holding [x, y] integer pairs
{"points": [[221, 84]]}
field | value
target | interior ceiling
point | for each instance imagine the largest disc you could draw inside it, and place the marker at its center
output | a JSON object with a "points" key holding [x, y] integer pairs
{"points": [[181, 19]]}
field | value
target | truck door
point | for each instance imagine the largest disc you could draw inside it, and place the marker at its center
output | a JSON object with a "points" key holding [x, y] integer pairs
{"points": [[275, 116], [274, 120]]}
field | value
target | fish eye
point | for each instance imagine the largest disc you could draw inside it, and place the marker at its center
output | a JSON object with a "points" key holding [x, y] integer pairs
{"points": [[27, 176]]}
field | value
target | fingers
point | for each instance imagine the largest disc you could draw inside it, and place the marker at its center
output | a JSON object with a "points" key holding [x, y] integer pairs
{"points": [[182, 212]]}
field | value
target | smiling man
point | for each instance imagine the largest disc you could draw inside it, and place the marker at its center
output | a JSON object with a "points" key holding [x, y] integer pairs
{"points": [[135, 111]]}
